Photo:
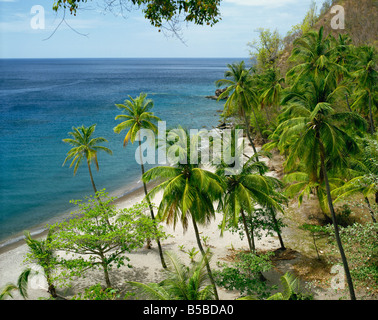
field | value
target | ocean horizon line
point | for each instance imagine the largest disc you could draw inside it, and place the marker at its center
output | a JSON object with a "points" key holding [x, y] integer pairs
{"points": [[131, 58]]}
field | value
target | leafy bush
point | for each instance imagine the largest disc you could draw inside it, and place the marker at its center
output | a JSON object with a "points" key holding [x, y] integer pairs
{"points": [[97, 292], [245, 274]]}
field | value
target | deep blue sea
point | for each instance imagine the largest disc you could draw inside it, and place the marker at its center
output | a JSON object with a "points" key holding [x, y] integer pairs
{"points": [[42, 99]]}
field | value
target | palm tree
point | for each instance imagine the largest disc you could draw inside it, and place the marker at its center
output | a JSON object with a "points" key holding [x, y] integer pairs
{"points": [[270, 85], [300, 184], [138, 116], [84, 146], [323, 144], [241, 97], [313, 54], [291, 290], [188, 194], [245, 190], [362, 175], [342, 49], [299, 103], [181, 282], [366, 77], [41, 253]]}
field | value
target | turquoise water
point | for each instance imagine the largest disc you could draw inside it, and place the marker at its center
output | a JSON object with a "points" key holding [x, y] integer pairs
{"points": [[42, 99]]}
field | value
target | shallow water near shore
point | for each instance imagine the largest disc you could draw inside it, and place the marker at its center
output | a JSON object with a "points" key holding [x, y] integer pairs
{"points": [[42, 99]]}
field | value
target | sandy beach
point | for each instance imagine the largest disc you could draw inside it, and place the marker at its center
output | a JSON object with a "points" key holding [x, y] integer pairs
{"points": [[146, 262]]}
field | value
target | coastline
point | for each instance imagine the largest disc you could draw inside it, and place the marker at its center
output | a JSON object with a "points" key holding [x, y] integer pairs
{"points": [[146, 262], [39, 231]]}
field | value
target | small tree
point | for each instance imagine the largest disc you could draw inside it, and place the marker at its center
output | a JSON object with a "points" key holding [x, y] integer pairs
{"points": [[316, 232], [259, 220], [244, 274], [267, 49], [94, 239]]}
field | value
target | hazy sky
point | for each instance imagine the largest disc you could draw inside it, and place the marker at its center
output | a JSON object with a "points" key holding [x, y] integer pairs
{"points": [[109, 35]]}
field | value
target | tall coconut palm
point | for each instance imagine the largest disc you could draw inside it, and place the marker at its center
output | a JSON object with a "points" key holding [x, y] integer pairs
{"points": [[298, 104], [137, 116], [188, 195], [321, 143], [366, 77], [85, 147], [242, 98]]}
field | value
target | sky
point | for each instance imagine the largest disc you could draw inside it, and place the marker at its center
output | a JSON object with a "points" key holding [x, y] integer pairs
{"points": [[100, 34]]}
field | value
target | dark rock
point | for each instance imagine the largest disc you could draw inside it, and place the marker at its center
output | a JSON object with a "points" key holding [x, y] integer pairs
{"points": [[218, 92]]}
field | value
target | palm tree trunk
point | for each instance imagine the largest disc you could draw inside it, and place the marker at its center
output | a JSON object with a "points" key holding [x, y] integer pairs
{"points": [[257, 125], [205, 258], [277, 229], [246, 119], [90, 174], [251, 244], [372, 129], [151, 209], [370, 209], [267, 115], [316, 247], [96, 195], [337, 235], [347, 101]]}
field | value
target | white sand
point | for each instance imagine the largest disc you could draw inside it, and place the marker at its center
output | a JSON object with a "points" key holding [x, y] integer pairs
{"points": [[146, 262]]}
